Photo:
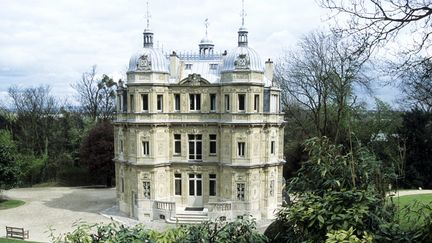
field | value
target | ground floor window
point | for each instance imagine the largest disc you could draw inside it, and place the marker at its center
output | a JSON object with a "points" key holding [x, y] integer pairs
{"points": [[241, 191], [212, 184], [177, 184], [146, 189]]}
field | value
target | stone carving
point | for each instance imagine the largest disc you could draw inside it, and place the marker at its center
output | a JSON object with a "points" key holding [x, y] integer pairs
{"points": [[242, 62], [144, 63]]}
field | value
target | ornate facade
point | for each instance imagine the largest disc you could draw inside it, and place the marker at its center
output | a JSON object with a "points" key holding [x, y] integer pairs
{"points": [[199, 136]]}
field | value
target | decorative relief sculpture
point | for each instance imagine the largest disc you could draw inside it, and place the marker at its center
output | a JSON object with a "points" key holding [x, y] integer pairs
{"points": [[242, 62], [144, 63]]}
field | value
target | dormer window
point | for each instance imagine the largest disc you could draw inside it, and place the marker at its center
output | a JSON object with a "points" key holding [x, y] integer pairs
{"points": [[213, 66], [188, 66]]}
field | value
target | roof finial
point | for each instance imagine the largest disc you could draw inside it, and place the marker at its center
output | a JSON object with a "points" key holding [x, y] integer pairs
{"points": [[206, 23], [243, 13], [148, 16]]}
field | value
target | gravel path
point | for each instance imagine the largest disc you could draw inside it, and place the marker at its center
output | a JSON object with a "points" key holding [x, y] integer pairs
{"points": [[61, 207], [58, 207]]}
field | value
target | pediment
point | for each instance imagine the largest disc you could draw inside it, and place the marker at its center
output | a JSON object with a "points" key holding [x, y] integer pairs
{"points": [[194, 79]]}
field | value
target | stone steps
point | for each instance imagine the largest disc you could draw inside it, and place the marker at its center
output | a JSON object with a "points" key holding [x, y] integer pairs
{"points": [[189, 217]]}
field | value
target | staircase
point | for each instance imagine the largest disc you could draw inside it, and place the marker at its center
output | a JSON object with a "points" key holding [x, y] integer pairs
{"points": [[189, 217]]}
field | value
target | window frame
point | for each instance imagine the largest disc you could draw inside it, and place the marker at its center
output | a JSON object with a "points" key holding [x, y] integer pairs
{"points": [[178, 182], [241, 102], [195, 102], [196, 141], [256, 102], [159, 103], [212, 185], [177, 141], [212, 141], [147, 191], [145, 148], [213, 100], [241, 149], [241, 191], [177, 102], [227, 102], [144, 97]]}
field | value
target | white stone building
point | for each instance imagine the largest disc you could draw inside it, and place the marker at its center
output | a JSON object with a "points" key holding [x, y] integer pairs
{"points": [[199, 136]]}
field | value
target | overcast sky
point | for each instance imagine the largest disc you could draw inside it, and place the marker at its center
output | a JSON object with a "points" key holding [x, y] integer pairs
{"points": [[53, 42]]}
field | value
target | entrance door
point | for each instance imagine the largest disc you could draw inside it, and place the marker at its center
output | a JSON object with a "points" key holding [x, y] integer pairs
{"points": [[195, 190]]}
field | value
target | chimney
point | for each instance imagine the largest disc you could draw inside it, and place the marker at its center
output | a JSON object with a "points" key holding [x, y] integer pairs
{"points": [[174, 64], [268, 72]]}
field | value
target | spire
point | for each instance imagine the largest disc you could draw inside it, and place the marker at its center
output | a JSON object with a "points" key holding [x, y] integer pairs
{"points": [[243, 33], [148, 34], [206, 23], [206, 46], [243, 13]]}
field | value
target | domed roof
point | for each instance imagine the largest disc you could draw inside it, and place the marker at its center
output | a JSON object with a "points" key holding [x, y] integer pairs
{"points": [[150, 60], [242, 58], [206, 40]]}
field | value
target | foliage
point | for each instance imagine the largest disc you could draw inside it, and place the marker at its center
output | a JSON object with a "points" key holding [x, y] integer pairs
{"points": [[8, 165], [96, 96], [97, 151], [336, 189], [213, 231], [417, 132], [336, 236], [330, 168]]}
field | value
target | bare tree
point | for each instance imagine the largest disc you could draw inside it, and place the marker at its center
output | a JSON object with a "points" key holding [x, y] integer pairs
{"points": [[319, 78], [97, 96], [380, 21], [35, 110], [417, 85]]}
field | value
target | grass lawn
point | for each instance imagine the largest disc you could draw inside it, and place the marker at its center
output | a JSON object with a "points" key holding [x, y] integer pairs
{"points": [[410, 213], [4, 240], [6, 204]]}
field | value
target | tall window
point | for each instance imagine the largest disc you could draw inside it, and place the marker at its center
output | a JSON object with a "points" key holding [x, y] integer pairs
{"points": [[212, 102], [122, 184], [241, 149], [195, 102], [178, 184], [241, 102], [176, 102], [227, 103], [212, 145], [177, 144], [146, 189], [212, 184], [274, 105], [144, 98], [132, 103], [146, 148], [272, 147], [241, 191], [195, 147], [159, 100], [121, 146], [256, 102]]}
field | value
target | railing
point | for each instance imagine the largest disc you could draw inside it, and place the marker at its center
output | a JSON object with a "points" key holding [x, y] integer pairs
{"points": [[165, 205], [219, 206]]}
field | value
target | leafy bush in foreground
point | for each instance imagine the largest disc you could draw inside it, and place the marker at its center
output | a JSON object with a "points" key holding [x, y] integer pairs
{"points": [[213, 231]]}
